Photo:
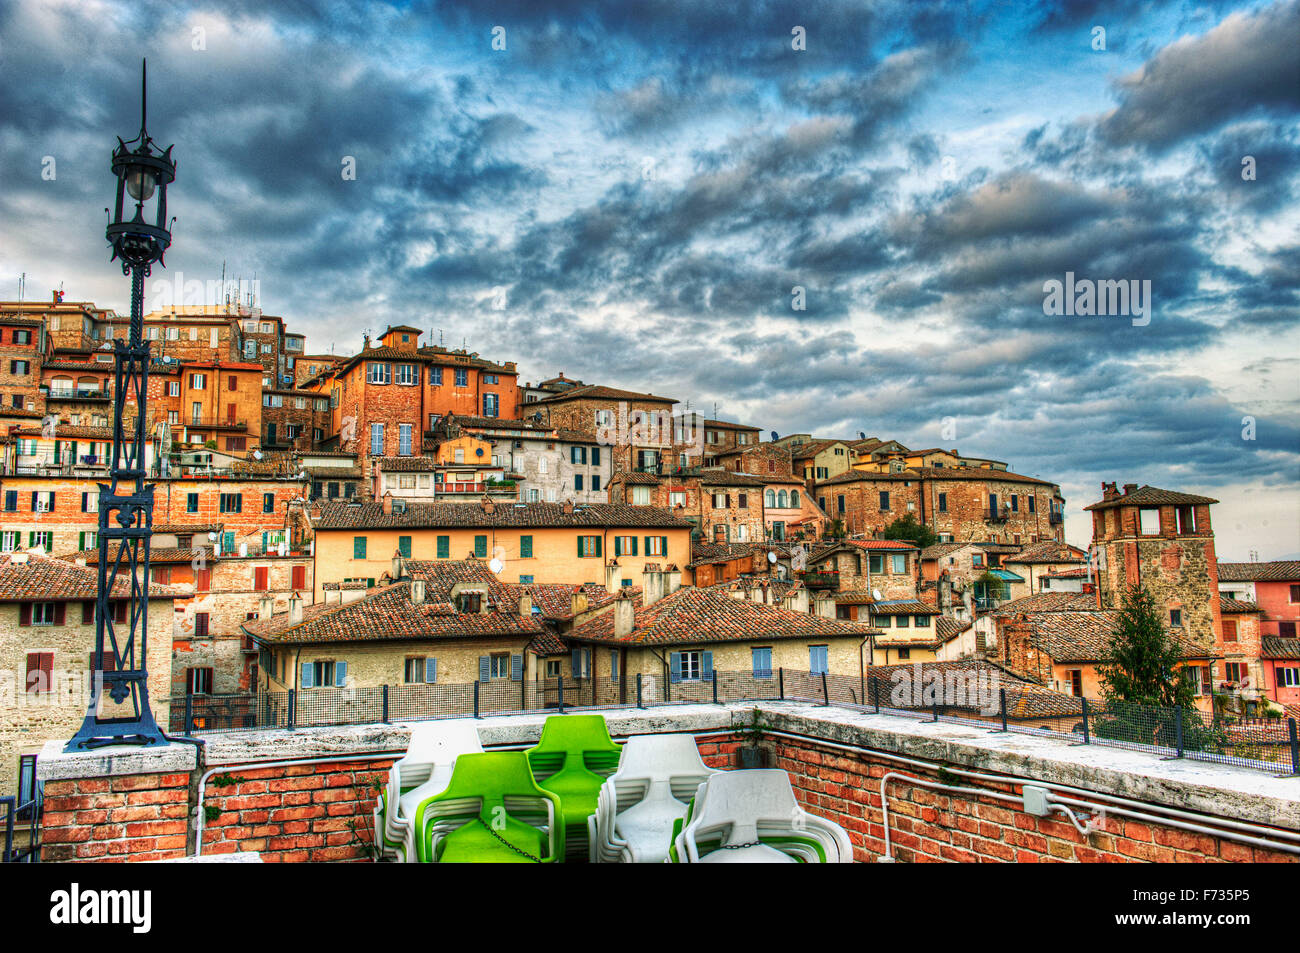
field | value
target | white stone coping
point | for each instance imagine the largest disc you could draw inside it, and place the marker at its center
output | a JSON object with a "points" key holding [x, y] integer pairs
{"points": [[55, 764]]}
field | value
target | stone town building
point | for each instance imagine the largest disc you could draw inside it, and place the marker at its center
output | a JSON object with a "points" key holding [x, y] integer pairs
{"points": [[22, 354], [221, 403], [534, 542], [960, 505], [294, 419], [1273, 586], [722, 505], [47, 641], [1038, 565], [865, 566], [636, 428], [427, 623], [547, 465], [385, 397], [1161, 540]]}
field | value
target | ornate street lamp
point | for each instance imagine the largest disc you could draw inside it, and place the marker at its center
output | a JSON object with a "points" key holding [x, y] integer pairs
{"points": [[126, 503]]}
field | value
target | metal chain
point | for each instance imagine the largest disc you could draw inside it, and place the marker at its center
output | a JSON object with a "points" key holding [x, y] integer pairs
{"points": [[754, 843], [524, 853]]}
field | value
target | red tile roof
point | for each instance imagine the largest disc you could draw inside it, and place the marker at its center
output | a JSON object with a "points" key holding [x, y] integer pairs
{"points": [[44, 578], [456, 515], [1283, 570], [1151, 496]]}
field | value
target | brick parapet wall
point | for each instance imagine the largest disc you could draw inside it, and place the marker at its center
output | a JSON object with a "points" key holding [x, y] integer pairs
{"points": [[124, 817]]}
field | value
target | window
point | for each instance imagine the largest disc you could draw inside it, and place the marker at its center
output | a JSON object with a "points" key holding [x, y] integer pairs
{"points": [[1288, 677], [268, 502], [1149, 522], [462, 377], [232, 502], [943, 502], [577, 481], [1230, 630], [9, 541], [198, 681], [404, 546], [903, 622], [1294, 592], [420, 671], [499, 662], [43, 501], [762, 659], [261, 580], [404, 440], [378, 373], [1032, 503], [444, 547], [20, 367], [677, 498], [689, 666], [641, 496], [198, 381], [624, 546], [1176, 618], [298, 578], [817, 659], [1015, 503], [435, 377], [358, 547], [45, 613], [977, 559], [469, 602], [406, 374], [595, 457], [480, 546], [604, 418], [324, 674], [899, 561], [203, 580], [595, 482], [1235, 671], [588, 545], [655, 546], [173, 388], [490, 404], [191, 502], [742, 500], [525, 547], [921, 621], [40, 672], [377, 440], [200, 624]]}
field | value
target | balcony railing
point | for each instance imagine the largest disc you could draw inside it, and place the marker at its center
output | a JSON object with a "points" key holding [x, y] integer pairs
{"points": [[995, 515], [1055, 517], [215, 423], [80, 394], [459, 487], [820, 578]]}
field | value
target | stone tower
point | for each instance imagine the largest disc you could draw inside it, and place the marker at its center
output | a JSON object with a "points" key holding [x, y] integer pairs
{"points": [[1162, 540]]}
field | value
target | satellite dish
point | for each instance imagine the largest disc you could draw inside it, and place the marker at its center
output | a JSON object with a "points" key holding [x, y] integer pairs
{"points": [[496, 565], [478, 451], [257, 454], [771, 556], [875, 594], [212, 537], [862, 435], [775, 438]]}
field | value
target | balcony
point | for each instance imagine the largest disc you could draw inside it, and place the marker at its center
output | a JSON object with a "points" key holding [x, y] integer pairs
{"points": [[478, 487], [820, 578], [82, 394], [214, 423], [1055, 517], [997, 515]]}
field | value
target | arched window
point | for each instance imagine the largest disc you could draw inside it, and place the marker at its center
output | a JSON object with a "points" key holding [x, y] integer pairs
{"points": [[782, 501], [794, 499], [769, 499]]}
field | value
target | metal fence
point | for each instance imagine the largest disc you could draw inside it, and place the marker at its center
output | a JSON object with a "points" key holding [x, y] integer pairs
{"points": [[930, 693], [22, 831]]}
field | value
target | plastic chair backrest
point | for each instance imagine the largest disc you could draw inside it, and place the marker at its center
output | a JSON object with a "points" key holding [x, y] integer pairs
{"points": [[652, 757], [442, 741], [570, 739], [741, 799]]}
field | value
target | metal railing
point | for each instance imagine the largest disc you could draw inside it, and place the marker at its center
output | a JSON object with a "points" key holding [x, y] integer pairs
{"points": [[934, 693], [20, 846]]}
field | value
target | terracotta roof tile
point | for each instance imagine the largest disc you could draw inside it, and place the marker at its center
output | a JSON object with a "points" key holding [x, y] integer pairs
{"points": [[455, 515], [1284, 570], [1152, 496], [43, 578]]}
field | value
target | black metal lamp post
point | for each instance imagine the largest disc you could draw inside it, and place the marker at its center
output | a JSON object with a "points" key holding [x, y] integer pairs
{"points": [[126, 503]]}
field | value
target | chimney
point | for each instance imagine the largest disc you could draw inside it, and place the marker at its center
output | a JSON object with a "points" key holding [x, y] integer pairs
{"points": [[295, 609], [525, 604], [1108, 492], [672, 579], [488, 506], [613, 575], [567, 508], [365, 342], [652, 584], [265, 607], [578, 602], [1129, 488], [624, 615], [399, 566], [388, 503], [417, 592]]}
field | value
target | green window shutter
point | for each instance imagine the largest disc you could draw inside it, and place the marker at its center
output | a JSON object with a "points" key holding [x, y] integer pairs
{"points": [[706, 664], [647, 545], [675, 666], [633, 553], [444, 547], [618, 546], [526, 547], [81, 540], [480, 546], [597, 539], [358, 547], [516, 668], [580, 550], [404, 546]]}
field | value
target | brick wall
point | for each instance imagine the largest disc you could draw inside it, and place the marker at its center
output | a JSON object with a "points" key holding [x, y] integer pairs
{"points": [[929, 826], [311, 812], [127, 817]]}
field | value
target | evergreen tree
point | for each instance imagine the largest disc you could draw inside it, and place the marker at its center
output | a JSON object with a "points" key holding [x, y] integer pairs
{"points": [[907, 528]]}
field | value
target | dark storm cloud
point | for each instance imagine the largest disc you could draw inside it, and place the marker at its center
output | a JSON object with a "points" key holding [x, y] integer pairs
{"points": [[1245, 65]]}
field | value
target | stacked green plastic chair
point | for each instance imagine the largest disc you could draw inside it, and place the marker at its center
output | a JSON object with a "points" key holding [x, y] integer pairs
{"points": [[746, 817], [422, 772], [491, 812], [572, 760]]}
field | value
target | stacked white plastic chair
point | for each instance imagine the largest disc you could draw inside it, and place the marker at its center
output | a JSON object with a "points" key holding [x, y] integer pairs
{"points": [[633, 822], [423, 772], [752, 817]]}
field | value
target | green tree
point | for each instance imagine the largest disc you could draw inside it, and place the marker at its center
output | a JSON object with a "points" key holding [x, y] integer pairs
{"points": [[907, 528], [836, 530], [1147, 691]]}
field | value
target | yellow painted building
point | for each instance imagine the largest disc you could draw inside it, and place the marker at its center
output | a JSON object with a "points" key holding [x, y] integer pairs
{"points": [[534, 542]]}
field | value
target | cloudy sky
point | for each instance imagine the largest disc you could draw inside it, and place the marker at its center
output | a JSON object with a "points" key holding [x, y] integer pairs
{"points": [[631, 193]]}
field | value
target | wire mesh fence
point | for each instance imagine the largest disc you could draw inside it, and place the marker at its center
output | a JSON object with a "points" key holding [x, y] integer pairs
{"points": [[920, 692]]}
